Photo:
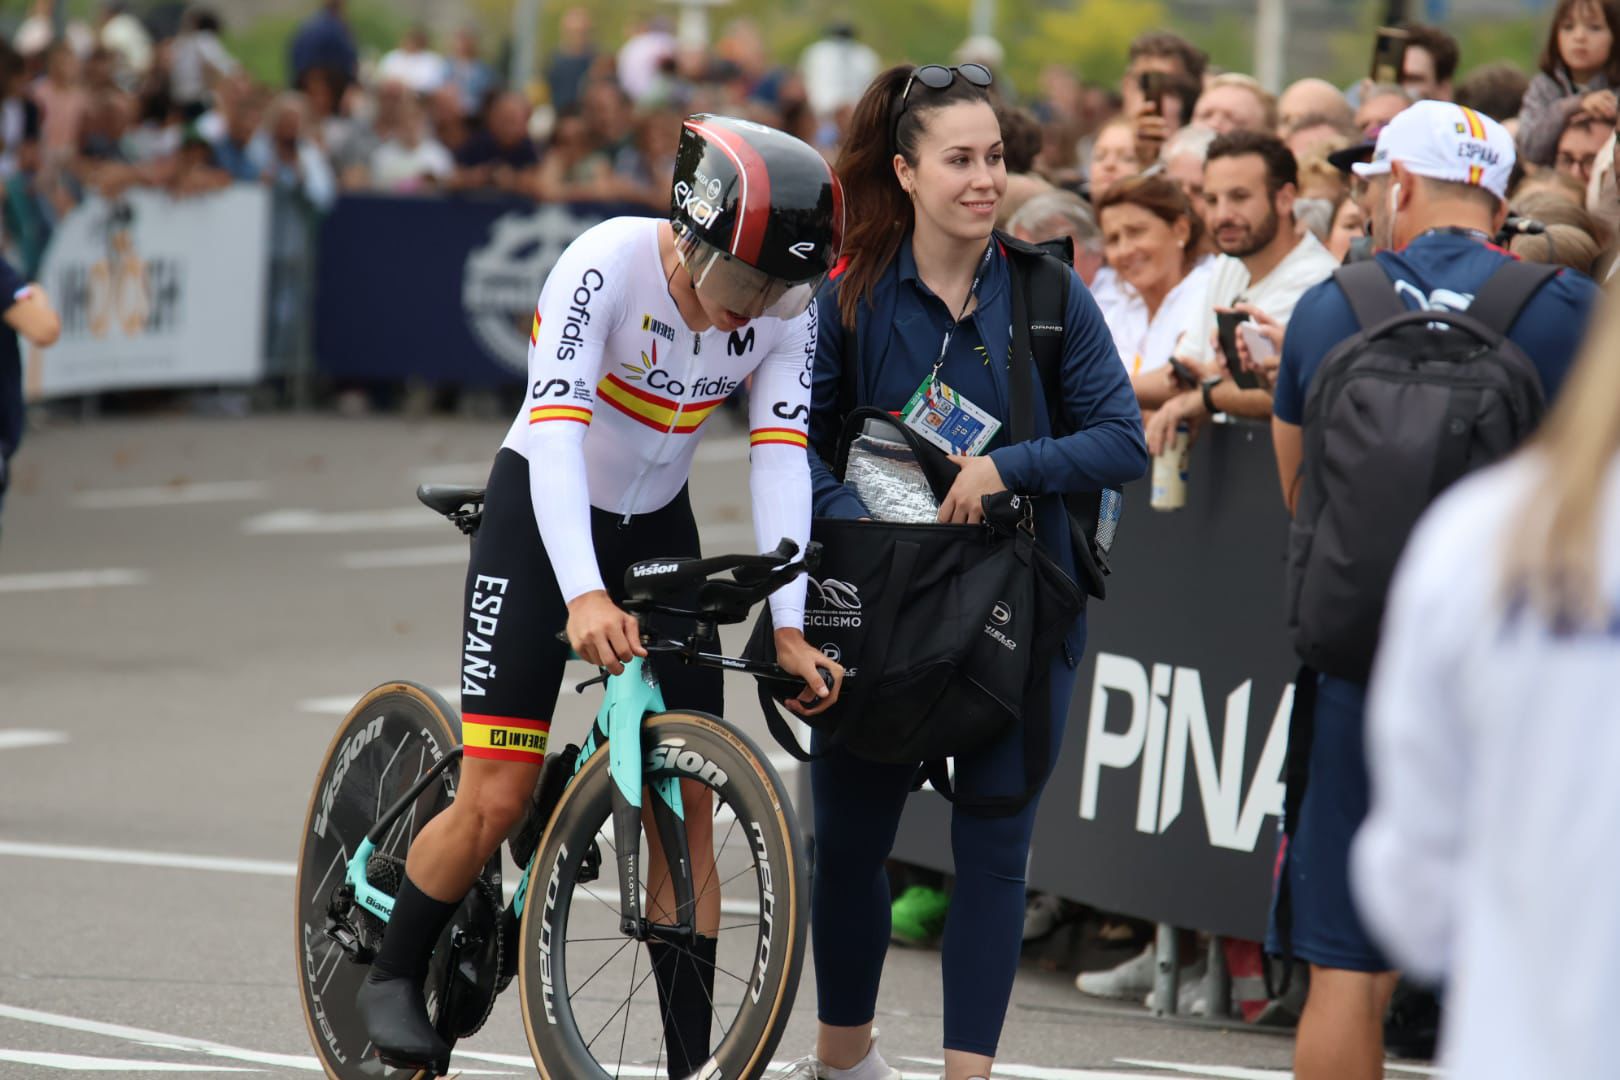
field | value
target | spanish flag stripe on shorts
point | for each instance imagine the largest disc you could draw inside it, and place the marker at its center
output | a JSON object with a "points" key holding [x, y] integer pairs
{"points": [[783, 436], [504, 738]]}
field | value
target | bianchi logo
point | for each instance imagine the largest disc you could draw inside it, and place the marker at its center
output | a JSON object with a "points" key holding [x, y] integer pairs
{"points": [[501, 279], [833, 604]]}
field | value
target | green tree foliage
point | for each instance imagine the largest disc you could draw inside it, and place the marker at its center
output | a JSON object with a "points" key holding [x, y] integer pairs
{"points": [[262, 45]]}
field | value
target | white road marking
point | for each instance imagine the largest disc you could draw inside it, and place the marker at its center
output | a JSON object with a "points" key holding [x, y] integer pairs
{"points": [[1214, 1072], [21, 738], [312, 522], [168, 860], [82, 1063], [1042, 1072], [71, 579], [170, 495], [396, 558], [339, 705], [158, 1038]]}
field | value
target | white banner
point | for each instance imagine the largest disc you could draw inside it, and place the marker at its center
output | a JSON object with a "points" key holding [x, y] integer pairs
{"points": [[155, 291]]}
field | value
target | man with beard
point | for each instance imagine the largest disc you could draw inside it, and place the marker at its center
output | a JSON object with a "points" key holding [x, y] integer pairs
{"points": [[1266, 265]]}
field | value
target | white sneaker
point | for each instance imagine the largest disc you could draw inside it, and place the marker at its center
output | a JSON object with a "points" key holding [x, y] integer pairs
{"points": [[1190, 997], [1128, 981], [871, 1067], [1042, 916]]}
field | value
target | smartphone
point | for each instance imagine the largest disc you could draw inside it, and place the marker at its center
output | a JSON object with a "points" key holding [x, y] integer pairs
{"points": [[1184, 374], [1154, 84], [1260, 347], [1226, 324], [1389, 54]]}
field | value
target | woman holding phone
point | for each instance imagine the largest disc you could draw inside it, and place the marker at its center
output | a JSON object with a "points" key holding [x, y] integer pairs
{"points": [[928, 289]]}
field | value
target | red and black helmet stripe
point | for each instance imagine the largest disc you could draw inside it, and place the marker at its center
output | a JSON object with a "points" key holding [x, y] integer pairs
{"points": [[754, 201]]}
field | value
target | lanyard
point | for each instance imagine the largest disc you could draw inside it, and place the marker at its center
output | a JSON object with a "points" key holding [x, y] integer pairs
{"points": [[944, 346]]}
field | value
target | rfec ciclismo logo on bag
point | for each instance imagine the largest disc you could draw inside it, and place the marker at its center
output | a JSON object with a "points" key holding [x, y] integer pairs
{"points": [[832, 604]]}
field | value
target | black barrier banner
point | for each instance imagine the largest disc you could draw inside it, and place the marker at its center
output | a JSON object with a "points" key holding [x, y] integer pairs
{"points": [[1165, 799], [438, 289]]}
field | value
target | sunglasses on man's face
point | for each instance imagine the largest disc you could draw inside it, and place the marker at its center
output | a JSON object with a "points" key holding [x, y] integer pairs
{"points": [[936, 77]]}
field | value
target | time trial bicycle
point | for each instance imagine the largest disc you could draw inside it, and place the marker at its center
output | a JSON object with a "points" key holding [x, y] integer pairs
{"points": [[572, 930]]}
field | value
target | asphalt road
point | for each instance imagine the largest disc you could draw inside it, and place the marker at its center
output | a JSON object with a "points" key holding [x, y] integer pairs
{"points": [[189, 606]]}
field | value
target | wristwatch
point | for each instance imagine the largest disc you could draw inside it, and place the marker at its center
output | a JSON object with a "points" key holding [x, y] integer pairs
{"points": [[1204, 389]]}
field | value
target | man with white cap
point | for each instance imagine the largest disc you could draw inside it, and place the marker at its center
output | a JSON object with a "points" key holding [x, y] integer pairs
{"points": [[1437, 188]]}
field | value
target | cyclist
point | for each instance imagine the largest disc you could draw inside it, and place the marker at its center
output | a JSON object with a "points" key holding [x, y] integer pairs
{"points": [[643, 329]]}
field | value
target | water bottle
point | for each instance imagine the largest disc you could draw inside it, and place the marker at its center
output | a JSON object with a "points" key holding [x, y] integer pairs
{"points": [[1170, 472]]}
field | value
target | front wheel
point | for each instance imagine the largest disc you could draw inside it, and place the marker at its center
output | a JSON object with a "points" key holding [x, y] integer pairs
{"points": [[590, 1004]]}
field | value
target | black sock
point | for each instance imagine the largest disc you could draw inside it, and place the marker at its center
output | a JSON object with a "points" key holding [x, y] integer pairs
{"points": [[413, 930], [685, 1001]]}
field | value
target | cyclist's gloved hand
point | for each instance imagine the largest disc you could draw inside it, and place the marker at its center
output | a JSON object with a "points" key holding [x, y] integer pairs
{"points": [[602, 633], [798, 657]]}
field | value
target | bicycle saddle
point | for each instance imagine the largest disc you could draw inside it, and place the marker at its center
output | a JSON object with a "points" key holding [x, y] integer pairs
{"points": [[448, 498]]}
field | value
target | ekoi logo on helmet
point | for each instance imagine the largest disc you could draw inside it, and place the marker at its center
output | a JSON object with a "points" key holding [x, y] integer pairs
{"points": [[693, 205]]}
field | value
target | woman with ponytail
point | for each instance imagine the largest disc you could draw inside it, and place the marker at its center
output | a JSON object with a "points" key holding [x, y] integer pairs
{"points": [[1493, 741], [927, 291]]}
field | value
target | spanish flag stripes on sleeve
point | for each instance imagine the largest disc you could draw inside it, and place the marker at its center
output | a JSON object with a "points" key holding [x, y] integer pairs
{"points": [[778, 436], [541, 413]]}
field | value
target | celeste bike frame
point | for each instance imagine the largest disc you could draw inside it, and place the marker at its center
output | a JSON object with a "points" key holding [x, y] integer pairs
{"points": [[628, 699]]}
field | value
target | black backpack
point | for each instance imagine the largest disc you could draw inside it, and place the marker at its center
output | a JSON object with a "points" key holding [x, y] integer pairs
{"points": [[1045, 273], [1394, 416]]}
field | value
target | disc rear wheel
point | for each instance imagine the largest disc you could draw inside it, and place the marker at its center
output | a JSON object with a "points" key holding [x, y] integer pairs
{"points": [[394, 735]]}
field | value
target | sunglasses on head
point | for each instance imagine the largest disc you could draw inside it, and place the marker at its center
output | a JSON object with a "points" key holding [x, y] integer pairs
{"points": [[935, 77]]}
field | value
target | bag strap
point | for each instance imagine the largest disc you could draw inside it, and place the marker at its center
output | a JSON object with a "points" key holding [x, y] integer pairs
{"points": [[1371, 292], [1022, 387], [1044, 273], [1505, 294], [849, 374]]}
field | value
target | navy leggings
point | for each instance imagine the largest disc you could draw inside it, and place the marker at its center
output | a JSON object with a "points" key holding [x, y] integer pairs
{"points": [[857, 811]]}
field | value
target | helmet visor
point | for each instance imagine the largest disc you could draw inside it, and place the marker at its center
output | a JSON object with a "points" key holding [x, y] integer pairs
{"points": [[727, 282]]}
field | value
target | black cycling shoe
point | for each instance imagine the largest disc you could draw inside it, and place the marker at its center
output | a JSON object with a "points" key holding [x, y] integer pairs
{"points": [[394, 1011]]}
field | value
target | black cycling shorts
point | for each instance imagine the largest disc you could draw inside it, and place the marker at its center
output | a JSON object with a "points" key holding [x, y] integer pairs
{"points": [[512, 660]]}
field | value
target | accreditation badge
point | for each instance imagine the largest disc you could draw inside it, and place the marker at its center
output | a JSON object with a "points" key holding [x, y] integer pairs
{"points": [[946, 419]]}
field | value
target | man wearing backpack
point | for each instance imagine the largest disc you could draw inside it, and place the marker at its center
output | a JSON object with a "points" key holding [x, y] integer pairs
{"points": [[1376, 411]]}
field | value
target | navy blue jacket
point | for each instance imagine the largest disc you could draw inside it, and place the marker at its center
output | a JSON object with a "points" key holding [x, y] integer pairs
{"points": [[901, 330]]}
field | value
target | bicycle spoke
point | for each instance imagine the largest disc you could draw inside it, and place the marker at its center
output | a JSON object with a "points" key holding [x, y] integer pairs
{"points": [[750, 869], [587, 891], [704, 890], [625, 1037], [581, 987], [608, 1022]]}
